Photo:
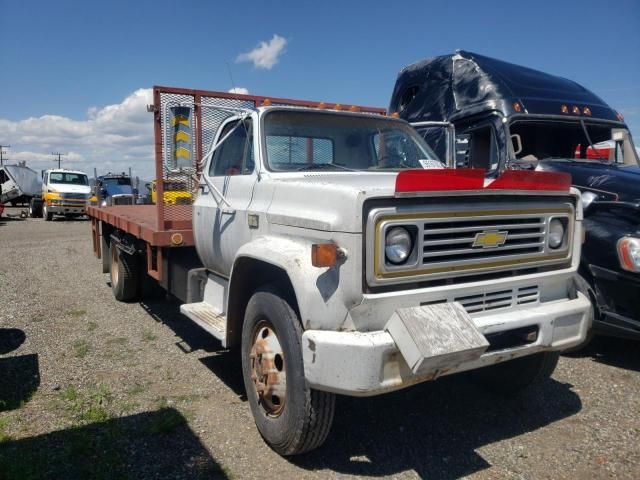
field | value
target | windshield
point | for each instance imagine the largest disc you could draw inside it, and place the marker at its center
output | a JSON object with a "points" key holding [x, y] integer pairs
{"points": [[534, 140], [68, 178], [116, 181], [310, 140]]}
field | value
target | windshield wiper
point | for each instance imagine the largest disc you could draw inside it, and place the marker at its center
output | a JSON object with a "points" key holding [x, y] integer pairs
{"points": [[320, 166]]}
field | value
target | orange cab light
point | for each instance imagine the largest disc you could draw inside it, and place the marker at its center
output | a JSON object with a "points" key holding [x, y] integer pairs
{"points": [[620, 117], [586, 111], [517, 107], [322, 105], [324, 254], [575, 110], [353, 108], [564, 109], [266, 102], [395, 115], [337, 106]]}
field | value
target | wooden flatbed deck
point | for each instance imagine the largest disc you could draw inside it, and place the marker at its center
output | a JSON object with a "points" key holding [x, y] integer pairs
{"points": [[141, 221]]}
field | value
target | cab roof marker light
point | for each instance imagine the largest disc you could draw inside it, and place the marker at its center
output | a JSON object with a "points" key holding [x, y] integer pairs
{"points": [[586, 111], [619, 116], [564, 109], [575, 110], [517, 107]]}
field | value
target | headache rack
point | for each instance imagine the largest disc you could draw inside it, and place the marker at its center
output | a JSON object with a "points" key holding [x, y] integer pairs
{"points": [[185, 124]]}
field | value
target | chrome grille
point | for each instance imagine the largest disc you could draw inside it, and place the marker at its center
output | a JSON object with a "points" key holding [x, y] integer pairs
{"points": [[468, 239], [74, 196], [498, 299], [452, 241], [122, 200]]}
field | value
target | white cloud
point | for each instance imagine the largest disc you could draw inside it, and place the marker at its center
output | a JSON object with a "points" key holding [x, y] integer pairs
{"points": [[111, 138], [266, 54], [240, 90]]}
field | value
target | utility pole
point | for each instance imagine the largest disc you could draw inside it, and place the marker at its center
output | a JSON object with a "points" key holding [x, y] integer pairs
{"points": [[2, 152], [58, 154]]}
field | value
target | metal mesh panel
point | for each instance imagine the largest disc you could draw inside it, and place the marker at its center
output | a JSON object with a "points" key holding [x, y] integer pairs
{"points": [[184, 143], [212, 118], [188, 124]]}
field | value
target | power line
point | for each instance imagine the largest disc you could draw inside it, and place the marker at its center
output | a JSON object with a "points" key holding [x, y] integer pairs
{"points": [[2, 152], [58, 154]]}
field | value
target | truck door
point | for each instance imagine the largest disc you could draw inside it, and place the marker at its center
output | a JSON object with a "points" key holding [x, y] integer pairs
{"points": [[440, 137], [220, 217]]}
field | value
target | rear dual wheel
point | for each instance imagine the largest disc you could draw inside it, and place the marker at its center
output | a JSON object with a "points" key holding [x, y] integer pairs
{"points": [[124, 271], [292, 417], [35, 209]]}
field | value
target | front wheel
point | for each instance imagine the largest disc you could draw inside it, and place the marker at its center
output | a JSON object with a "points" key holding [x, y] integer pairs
{"points": [[48, 216], [514, 375], [290, 416]]}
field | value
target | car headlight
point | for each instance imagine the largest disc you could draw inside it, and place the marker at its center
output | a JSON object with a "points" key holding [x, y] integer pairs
{"points": [[398, 245], [629, 253], [556, 233]]}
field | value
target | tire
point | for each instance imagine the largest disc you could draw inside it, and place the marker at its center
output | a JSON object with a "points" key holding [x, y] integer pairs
{"points": [[105, 254], [48, 216], [514, 375], [35, 210], [124, 272], [294, 419]]}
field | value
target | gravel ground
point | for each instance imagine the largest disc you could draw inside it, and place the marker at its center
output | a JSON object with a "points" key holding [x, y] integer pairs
{"points": [[93, 388]]}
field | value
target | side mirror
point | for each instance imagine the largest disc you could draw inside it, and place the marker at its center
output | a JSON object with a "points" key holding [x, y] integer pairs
{"points": [[587, 199]]}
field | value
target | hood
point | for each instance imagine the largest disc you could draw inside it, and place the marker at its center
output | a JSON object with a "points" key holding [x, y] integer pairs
{"points": [[119, 189], [326, 201], [70, 188], [622, 181]]}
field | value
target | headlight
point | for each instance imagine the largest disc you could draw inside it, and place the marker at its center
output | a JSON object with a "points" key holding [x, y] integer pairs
{"points": [[629, 253], [556, 233], [398, 245]]}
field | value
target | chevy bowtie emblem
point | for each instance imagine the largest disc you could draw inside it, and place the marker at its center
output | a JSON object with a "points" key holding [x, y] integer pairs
{"points": [[490, 239]]}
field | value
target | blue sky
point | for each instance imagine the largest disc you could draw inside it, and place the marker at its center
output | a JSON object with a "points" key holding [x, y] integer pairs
{"points": [[73, 59]]}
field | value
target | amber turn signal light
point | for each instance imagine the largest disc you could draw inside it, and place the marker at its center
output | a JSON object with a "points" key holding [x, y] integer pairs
{"points": [[324, 254]]}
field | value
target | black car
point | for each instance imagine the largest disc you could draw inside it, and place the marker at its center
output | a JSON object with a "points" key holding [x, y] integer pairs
{"points": [[480, 112], [610, 261]]}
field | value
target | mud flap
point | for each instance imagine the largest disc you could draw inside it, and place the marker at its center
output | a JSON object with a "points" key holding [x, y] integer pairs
{"points": [[435, 337]]}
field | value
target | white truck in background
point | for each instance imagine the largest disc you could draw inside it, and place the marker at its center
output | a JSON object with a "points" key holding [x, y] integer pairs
{"points": [[64, 192]]}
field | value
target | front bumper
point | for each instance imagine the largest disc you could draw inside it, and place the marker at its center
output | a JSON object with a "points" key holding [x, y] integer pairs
{"points": [[370, 363], [67, 209]]}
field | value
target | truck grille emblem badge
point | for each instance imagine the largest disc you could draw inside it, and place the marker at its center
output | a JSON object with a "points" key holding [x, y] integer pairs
{"points": [[490, 239]]}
